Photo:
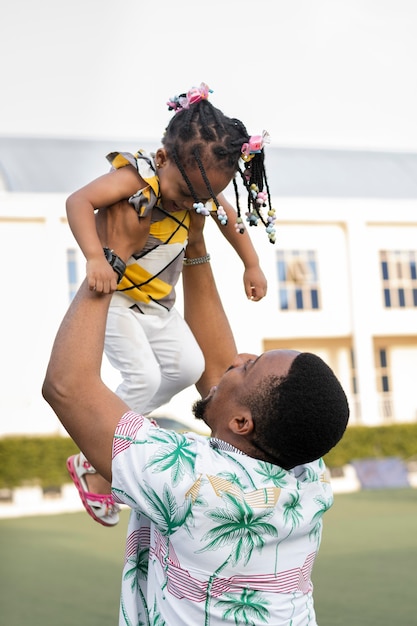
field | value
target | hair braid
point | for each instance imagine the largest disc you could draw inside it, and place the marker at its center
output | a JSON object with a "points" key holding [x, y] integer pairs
{"points": [[204, 176], [218, 137], [200, 135], [184, 175]]}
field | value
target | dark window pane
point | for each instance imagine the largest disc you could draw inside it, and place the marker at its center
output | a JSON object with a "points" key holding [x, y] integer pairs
{"points": [[401, 297], [384, 266], [299, 298], [383, 358], [387, 298], [283, 299], [314, 299], [385, 384]]}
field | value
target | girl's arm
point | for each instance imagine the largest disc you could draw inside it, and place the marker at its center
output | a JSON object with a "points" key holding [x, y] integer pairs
{"points": [[253, 278], [110, 189]]}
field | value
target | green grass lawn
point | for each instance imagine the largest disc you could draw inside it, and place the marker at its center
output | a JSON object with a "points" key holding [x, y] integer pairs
{"points": [[366, 571], [64, 570]]}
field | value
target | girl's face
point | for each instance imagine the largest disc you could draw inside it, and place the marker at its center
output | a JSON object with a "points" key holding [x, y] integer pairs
{"points": [[175, 193]]}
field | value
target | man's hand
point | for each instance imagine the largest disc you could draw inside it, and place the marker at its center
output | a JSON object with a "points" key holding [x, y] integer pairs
{"points": [[196, 246]]}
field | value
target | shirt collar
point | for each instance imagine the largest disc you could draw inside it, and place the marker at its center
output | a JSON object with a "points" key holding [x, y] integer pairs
{"points": [[219, 444]]}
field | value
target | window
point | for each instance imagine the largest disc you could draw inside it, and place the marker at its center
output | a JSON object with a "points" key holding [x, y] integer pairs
{"points": [[72, 272], [298, 283], [355, 398], [399, 278], [383, 381]]}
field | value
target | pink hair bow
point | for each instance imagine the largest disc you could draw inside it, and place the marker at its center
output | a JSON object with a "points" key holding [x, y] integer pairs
{"points": [[195, 94], [254, 145]]}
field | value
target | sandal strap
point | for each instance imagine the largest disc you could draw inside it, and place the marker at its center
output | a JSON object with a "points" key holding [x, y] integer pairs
{"points": [[101, 507], [84, 465], [102, 501]]}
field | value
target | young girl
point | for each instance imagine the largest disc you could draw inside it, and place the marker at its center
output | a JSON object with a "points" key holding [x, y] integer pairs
{"points": [[202, 151]]}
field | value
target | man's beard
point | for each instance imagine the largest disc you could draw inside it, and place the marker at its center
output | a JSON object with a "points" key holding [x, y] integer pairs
{"points": [[199, 408]]}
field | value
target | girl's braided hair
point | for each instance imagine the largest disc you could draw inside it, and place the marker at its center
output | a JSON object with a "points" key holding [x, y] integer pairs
{"points": [[199, 133]]}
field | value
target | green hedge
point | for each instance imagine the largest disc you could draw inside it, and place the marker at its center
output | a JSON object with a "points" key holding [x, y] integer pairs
{"points": [[363, 442], [34, 461], [41, 460]]}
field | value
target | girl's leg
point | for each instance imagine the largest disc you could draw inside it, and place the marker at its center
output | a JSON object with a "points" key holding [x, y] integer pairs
{"points": [[129, 351], [179, 356]]}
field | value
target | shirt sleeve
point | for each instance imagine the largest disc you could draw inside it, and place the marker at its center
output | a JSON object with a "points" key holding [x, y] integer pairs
{"points": [[153, 470]]}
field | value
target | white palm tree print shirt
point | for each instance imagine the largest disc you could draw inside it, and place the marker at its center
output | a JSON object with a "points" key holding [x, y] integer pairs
{"points": [[214, 536]]}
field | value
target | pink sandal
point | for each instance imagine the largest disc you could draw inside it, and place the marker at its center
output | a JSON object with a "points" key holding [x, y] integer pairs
{"points": [[101, 507]]}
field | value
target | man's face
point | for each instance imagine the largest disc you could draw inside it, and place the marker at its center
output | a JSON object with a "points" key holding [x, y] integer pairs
{"points": [[241, 379]]}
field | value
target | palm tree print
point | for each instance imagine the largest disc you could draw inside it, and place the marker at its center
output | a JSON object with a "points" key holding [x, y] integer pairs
{"points": [[292, 510], [234, 459], [138, 570], [292, 515], [240, 526], [244, 608], [127, 621], [176, 454], [157, 619], [165, 512], [324, 505], [139, 567], [272, 473], [232, 478]]}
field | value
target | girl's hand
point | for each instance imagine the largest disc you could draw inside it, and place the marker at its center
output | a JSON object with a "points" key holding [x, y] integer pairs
{"points": [[255, 283], [101, 277]]}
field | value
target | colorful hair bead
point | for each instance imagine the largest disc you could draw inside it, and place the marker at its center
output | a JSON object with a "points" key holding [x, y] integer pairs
{"points": [[221, 215], [239, 226], [252, 218], [201, 208]]}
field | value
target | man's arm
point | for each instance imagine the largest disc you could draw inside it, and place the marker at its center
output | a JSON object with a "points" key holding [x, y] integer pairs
{"points": [[204, 312], [88, 410]]}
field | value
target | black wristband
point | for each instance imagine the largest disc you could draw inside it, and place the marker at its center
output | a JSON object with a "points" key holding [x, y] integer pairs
{"points": [[116, 262]]}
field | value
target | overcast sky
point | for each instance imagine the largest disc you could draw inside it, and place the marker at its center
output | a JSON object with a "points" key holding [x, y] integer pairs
{"points": [[314, 73]]}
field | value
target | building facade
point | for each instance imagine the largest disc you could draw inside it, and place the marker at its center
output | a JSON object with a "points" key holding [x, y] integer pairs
{"points": [[342, 276]]}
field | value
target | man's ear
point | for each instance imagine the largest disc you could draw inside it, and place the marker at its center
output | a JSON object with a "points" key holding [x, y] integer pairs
{"points": [[242, 423]]}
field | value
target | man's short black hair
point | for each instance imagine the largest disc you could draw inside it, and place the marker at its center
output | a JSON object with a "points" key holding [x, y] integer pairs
{"points": [[299, 417]]}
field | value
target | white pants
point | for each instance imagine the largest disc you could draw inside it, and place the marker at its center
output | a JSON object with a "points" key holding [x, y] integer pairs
{"points": [[156, 355]]}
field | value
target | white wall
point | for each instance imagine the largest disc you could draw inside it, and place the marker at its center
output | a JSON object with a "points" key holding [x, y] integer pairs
{"points": [[347, 235]]}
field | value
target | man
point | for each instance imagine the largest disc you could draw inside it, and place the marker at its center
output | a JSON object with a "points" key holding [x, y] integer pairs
{"points": [[225, 529]]}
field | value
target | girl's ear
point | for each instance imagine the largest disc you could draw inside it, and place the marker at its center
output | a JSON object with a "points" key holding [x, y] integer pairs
{"points": [[161, 156]]}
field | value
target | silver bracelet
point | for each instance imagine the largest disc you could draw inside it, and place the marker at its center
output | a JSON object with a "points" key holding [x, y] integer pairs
{"points": [[197, 261]]}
